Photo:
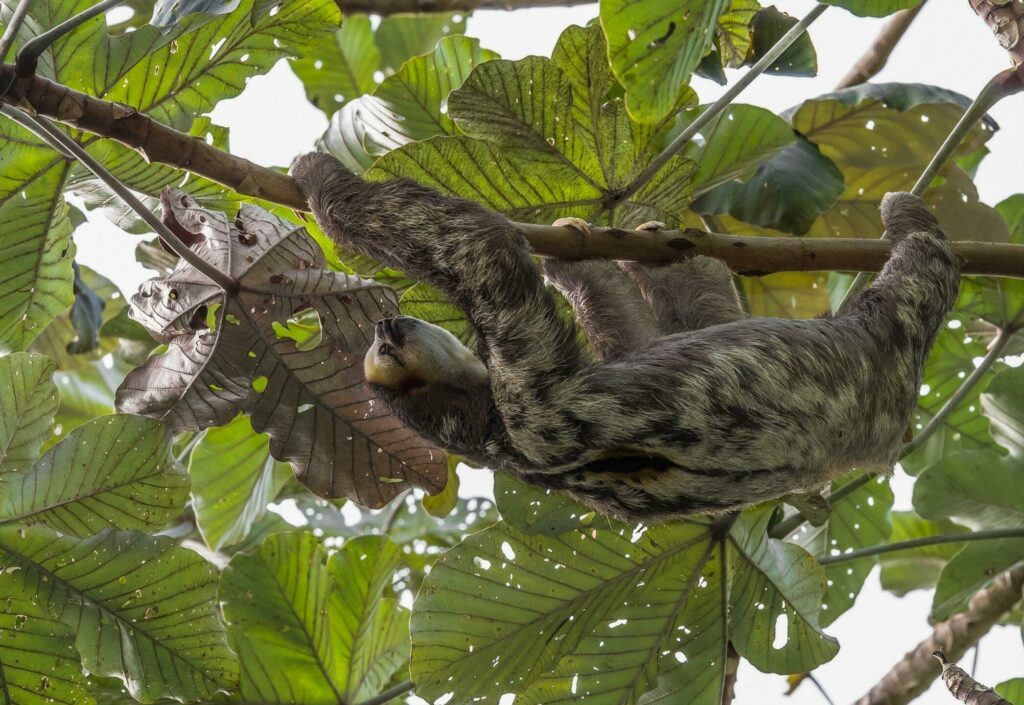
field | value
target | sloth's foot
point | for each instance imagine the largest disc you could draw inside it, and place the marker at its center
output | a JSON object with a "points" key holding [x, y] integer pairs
{"points": [[577, 224], [651, 226]]}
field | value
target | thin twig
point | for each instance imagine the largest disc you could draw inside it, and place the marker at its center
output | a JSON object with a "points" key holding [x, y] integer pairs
{"points": [[28, 57], [870, 551], [717, 107], [874, 59], [961, 392], [389, 694], [166, 235], [820, 687], [11, 30]]}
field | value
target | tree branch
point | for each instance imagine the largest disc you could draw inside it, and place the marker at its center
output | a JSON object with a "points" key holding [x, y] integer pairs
{"points": [[964, 688], [11, 30], [874, 59], [1006, 20], [916, 671], [745, 255], [910, 544], [392, 7]]}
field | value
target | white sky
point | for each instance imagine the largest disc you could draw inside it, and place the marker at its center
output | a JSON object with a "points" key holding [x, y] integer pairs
{"points": [[271, 123]]}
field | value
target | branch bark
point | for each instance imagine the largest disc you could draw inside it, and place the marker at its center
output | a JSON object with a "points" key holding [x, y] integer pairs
{"points": [[964, 688], [915, 673], [1006, 20], [745, 255], [392, 7], [874, 59]]}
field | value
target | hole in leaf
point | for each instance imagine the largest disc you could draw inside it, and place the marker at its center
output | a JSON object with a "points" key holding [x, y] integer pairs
{"points": [[303, 327]]}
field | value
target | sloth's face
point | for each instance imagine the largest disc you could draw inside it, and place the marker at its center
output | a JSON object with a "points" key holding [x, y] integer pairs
{"points": [[408, 354]]}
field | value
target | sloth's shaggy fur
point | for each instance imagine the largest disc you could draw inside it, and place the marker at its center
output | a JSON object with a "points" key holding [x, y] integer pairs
{"points": [[688, 408]]}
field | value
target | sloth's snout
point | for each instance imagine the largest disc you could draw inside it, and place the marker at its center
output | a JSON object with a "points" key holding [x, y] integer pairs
{"points": [[390, 330]]}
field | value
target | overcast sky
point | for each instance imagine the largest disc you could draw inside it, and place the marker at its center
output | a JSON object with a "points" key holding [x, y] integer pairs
{"points": [[947, 46]]}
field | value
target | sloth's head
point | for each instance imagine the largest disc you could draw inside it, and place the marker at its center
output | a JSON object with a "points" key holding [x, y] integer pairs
{"points": [[432, 382], [409, 354]]}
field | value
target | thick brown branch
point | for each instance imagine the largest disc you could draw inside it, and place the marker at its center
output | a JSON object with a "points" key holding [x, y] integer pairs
{"points": [[747, 255], [874, 59], [915, 673], [392, 7], [1006, 20], [964, 688]]}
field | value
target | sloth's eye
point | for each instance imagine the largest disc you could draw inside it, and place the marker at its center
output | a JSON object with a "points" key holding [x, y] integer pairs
{"points": [[385, 349]]}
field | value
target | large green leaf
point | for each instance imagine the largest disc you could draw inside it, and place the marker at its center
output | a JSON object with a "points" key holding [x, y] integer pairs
{"points": [[354, 60], [654, 46], [619, 611], [114, 471], [918, 568], [313, 629], [339, 68], [38, 661], [950, 489], [233, 480], [857, 521], [734, 142], [28, 402], [973, 568], [1003, 404], [951, 360], [786, 192], [409, 106], [1012, 690], [35, 237], [141, 608], [537, 148]]}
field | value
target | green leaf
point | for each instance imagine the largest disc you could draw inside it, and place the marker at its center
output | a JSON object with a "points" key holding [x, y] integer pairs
{"points": [[857, 521], [1004, 406], [534, 510], [407, 107], [85, 394], [970, 570], [786, 192], [340, 67], [950, 490], [768, 26], [426, 303], [142, 608], [650, 598], [918, 568], [733, 33], [38, 661], [233, 480], [654, 46], [35, 238], [1012, 690], [311, 629], [28, 403], [737, 140], [444, 502], [401, 37], [114, 471], [773, 580], [950, 362], [873, 8]]}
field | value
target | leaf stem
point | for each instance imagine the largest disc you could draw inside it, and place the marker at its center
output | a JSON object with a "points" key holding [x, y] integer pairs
{"points": [[1001, 85], [718, 106], [918, 543], [961, 392], [11, 30], [64, 143], [28, 57], [389, 694]]}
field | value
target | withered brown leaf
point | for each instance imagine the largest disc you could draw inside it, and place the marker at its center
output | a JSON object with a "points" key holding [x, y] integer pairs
{"points": [[285, 345]]}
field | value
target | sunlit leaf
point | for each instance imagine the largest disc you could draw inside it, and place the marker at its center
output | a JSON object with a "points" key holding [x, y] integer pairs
{"points": [[28, 402]]}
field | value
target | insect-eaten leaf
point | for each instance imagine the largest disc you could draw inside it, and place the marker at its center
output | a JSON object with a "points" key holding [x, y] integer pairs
{"points": [[284, 344]]}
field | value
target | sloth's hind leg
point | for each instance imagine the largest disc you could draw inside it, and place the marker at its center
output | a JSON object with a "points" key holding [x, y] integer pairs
{"points": [[688, 295]]}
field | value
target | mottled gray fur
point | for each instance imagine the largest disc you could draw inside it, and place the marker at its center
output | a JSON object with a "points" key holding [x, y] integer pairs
{"points": [[690, 409]]}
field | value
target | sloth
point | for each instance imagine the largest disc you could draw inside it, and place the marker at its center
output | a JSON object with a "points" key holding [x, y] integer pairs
{"points": [[682, 405]]}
